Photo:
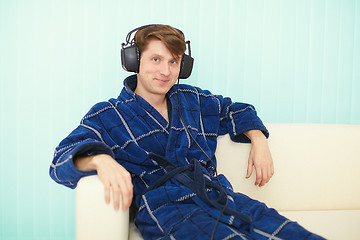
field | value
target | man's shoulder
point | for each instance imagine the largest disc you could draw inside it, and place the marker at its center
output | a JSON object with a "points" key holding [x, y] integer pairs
{"points": [[112, 103], [97, 109]]}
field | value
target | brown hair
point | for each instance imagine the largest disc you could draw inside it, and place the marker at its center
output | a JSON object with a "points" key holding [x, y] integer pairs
{"points": [[171, 37]]}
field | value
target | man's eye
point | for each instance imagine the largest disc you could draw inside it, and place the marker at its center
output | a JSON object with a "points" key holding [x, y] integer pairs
{"points": [[173, 62], [155, 59]]}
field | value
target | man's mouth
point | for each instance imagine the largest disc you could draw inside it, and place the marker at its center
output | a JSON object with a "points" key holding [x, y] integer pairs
{"points": [[162, 80]]}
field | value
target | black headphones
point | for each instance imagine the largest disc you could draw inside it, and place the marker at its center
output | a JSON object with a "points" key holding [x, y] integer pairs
{"points": [[130, 55]]}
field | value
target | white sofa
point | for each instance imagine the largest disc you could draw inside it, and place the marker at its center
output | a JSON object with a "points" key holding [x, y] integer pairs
{"points": [[316, 183]]}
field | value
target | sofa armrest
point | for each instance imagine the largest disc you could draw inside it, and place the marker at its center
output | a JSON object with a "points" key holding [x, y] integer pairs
{"points": [[94, 218]]}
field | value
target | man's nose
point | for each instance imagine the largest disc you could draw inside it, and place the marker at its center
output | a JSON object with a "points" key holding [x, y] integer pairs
{"points": [[165, 69]]}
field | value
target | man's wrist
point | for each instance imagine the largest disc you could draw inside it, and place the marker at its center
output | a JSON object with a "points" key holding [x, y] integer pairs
{"points": [[86, 163], [255, 135]]}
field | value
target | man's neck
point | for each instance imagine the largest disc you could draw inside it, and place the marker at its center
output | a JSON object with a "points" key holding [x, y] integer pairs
{"points": [[156, 101], [161, 106]]}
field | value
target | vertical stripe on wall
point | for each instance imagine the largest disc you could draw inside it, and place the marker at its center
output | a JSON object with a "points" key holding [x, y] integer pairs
{"points": [[296, 61]]}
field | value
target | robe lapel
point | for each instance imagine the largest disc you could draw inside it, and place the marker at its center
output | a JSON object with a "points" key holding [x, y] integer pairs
{"points": [[179, 141]]}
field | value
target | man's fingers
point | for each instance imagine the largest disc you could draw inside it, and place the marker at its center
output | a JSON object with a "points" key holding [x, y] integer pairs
{"points": [[107, 193], [116, 196], [271, 172], [259, 176], [266, 175], [264, 179], [249, 169], [126, 193]]}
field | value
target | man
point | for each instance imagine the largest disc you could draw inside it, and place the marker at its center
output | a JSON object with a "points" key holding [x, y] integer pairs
{"points": [[156, 143]]}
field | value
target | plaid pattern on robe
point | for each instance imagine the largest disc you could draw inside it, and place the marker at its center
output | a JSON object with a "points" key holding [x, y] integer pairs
{"points": [[185, 203]]}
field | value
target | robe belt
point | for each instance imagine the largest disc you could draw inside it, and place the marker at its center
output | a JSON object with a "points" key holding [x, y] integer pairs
{"points": [[193, 177]]}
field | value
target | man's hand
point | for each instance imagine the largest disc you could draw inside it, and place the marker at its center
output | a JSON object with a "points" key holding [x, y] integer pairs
{"points": [[259, 158], [114, 177]]}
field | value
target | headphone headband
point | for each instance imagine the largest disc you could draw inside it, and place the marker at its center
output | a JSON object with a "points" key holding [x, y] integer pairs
{"points": [[130, 55]]}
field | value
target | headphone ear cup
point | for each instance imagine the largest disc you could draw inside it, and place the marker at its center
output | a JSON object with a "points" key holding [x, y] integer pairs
{"points": [[186, 67], [130, 58]]}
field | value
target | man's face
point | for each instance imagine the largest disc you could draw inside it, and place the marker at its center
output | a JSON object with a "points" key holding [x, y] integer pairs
{"points": [[158, 71]]}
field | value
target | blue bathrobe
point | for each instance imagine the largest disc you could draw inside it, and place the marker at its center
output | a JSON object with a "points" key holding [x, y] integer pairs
{"points": [[176, 192]]}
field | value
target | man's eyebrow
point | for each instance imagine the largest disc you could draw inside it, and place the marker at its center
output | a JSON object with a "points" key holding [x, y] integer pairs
{"points": [[155, 55], [161, 56]]}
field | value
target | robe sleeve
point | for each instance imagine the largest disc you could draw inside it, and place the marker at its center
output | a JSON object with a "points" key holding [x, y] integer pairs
{"points": [[237, 118], [86, 140]]}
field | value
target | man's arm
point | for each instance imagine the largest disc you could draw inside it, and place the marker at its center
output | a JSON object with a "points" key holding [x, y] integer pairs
{"points": [[114, 177], [259, 158]]}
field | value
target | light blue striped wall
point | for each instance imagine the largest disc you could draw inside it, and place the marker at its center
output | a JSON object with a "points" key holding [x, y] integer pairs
{"points": [[296, 61]]}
